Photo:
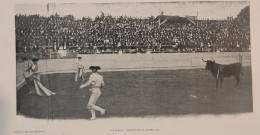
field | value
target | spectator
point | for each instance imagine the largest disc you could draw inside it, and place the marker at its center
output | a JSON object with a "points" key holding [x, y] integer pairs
{"points": [[108, 33]]}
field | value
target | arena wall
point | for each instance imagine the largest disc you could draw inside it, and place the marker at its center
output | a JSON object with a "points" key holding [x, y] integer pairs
{"points": [[122, 62], [114, 62]]}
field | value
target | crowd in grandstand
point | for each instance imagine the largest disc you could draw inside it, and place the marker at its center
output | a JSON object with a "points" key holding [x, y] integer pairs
{"points": [[109, 34]]}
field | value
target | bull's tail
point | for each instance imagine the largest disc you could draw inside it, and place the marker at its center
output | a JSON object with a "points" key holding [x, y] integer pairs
{"points": [[240, 61]]}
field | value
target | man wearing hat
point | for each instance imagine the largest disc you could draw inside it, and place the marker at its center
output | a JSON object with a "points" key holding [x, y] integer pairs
{"points": [[95, 82], [79, 70], [33, 80]]}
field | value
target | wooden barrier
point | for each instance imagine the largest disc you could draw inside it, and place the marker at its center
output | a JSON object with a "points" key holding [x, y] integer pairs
{"points": [[122, 62]]}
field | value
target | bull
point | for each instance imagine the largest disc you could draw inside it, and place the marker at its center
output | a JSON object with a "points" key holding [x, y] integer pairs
{"points": [[220, 71]]}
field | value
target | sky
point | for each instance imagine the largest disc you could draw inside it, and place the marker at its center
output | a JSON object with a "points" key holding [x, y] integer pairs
{"points": [[205, 10]]}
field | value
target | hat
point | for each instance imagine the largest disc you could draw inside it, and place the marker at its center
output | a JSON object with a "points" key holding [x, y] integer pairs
{"points": [[95, 67], [35, 59]]}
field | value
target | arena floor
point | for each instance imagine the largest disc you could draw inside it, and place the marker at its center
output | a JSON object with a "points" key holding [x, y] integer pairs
{"points": [[169, 93]]}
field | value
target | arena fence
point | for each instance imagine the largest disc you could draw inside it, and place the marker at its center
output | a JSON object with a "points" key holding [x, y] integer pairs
{"points": [[129, 62]]}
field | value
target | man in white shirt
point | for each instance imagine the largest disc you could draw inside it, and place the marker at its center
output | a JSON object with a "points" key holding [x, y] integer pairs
{"points": [[95, 82], [79, 70]]}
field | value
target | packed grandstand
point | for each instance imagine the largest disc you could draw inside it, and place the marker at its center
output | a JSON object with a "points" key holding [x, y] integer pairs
{"points": [[126, 34]]}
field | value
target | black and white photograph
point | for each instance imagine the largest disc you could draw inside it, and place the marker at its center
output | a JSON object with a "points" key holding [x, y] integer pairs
{"points": [[98, 62], [163, 59]]}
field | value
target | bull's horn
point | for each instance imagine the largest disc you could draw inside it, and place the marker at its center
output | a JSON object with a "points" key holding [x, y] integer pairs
{"points": [[203, 60], [213, 60]]}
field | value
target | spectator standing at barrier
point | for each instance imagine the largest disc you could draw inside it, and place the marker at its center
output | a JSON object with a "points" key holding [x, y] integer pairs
{"points": [[95, 82], [79, 70], [32, 79]]}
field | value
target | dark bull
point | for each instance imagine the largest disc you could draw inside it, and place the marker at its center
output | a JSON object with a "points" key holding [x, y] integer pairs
{"points": [[220, 71]]}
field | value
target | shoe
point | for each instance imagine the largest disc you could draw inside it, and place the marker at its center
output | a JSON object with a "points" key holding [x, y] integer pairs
{"points": [[103, 112]]}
